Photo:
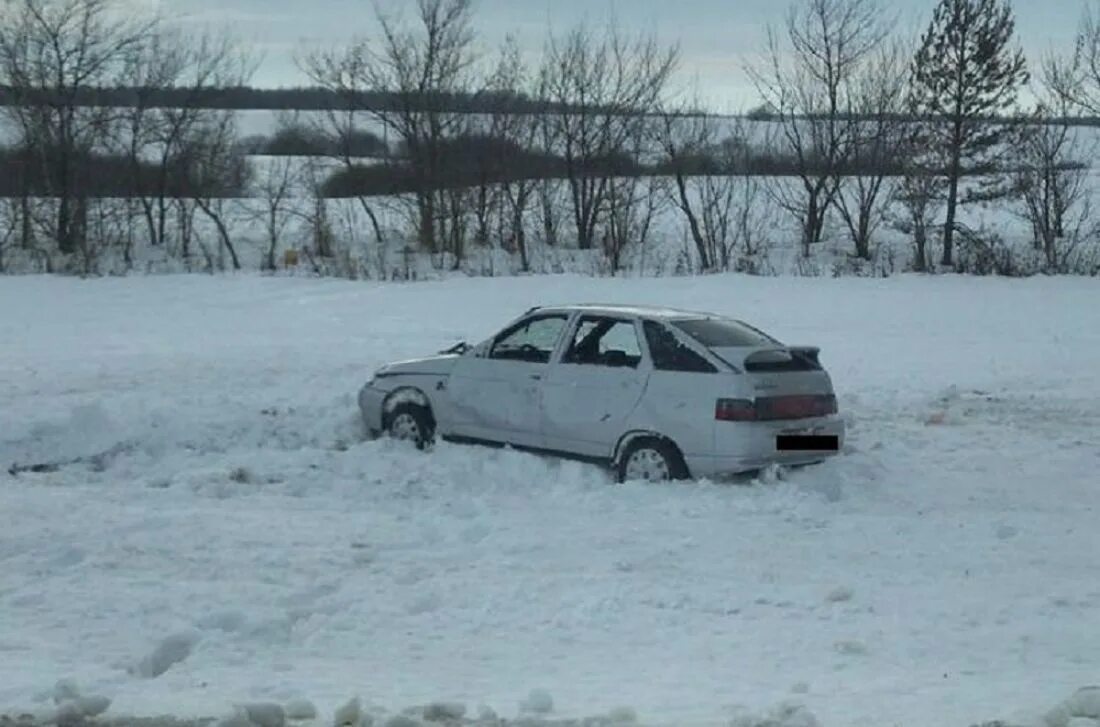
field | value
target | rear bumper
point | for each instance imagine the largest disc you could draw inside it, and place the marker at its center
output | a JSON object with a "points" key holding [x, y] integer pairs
{"points": [[747, 446]]}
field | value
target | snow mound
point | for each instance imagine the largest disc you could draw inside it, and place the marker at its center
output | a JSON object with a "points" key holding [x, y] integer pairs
{"points": [[349, 714], [300, 710], [788, 714], [264, 714], [402, 720], [65, 690], [172, 650], [618, 717], [1084, 722], [72, 706], [444, 711], [538, 701], [87, 432], [1078, 710]]}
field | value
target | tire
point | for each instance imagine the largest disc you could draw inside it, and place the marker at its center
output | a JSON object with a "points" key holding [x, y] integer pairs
{"points": [[411, 423], [651, 459]]}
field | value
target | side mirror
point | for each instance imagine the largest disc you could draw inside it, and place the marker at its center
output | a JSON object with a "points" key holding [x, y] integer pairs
{"points": [[459, 349]]}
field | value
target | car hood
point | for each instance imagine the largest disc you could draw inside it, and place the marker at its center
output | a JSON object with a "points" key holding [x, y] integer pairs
{"points": [[429, 366]]}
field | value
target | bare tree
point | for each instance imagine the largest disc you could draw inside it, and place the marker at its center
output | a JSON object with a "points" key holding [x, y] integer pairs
{"points": [[277, 185], [1075, 78], [688, 140], [879, 97], [52, 54], [519, 191], [321, 243], [503, 186], [920, 194], [598, 91], [340, 125], [421, 70], [1050, 177], [9, 226], [516, 159], [215, 171], [154, 135], [807, 81], [633, 204], [491, 135]]}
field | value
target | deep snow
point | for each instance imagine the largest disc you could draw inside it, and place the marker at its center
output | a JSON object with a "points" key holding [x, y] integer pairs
{"points": [[946, 570]]}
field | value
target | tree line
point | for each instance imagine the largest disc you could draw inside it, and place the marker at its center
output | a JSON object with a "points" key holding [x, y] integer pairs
{"points": [[249, 98], [588, 146]]}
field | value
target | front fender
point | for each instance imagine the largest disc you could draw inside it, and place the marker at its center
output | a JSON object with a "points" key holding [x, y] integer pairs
{"points": [[384, 393]]}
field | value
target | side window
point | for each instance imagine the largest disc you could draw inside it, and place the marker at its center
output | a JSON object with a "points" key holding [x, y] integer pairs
{"points": [[669, 354], [600, 341], [532, 340]]}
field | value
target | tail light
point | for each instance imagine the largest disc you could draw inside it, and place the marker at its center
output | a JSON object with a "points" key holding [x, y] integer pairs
{"points": [[735, 410], [775, 408]]}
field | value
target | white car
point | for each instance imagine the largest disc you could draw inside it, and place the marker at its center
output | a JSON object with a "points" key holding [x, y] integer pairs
{"points": [[656, 393]]}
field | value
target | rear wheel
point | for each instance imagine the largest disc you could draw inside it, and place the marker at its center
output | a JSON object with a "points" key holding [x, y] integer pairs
{"points": [[651, 459], [411, 423]]}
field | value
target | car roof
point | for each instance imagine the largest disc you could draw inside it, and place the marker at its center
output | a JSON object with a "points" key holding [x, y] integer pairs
{"points": [[612, 309]]}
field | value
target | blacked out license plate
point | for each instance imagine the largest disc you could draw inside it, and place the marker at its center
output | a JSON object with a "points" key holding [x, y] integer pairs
{"points": [[807, 442]]}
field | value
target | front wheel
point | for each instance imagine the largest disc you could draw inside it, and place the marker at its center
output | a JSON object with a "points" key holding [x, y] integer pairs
{"points": [[411, 423], [651, 459]]}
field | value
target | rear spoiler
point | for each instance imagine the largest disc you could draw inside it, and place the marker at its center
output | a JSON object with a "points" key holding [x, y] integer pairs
{"points": [[772, 359]]}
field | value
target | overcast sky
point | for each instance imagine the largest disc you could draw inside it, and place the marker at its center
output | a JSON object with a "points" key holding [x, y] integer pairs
{"points": [[716, 36]]}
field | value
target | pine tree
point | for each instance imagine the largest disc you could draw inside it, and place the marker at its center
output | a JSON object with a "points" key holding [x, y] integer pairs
{"points": [[966, 76]]}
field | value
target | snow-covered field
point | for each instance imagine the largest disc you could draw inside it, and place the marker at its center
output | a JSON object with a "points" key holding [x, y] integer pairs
{"points": [[944, 571]]}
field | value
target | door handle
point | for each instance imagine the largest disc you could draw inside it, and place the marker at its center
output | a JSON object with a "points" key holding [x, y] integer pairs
{"points": [[536, 377]]}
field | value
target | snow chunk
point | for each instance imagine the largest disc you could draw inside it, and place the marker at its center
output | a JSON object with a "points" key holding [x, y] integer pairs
{"points": [[65, 690], [349, 715], [614, 718], [444, 711], [538, 701], [92, 705], [771, 474], [264, 714], [227, 621], [168, 652], [402, 720], [788, 714], [427, 602], [88, 431], [72, 706], [242, 476], [68, 714], [1083, 722], [850, 647], [300, 709], [840, 594], [1085, 702], [485, 713], [238, 719]]}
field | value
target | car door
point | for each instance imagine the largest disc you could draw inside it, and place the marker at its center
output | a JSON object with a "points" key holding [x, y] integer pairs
{"points": [[496, 396], [591, 390], [680, 394]]}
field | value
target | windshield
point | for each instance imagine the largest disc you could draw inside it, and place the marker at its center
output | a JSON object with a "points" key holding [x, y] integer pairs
{"points": [[723, 333]]}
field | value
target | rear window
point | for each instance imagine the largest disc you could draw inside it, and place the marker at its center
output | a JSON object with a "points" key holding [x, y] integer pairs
{"points": [[723, 333]]}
